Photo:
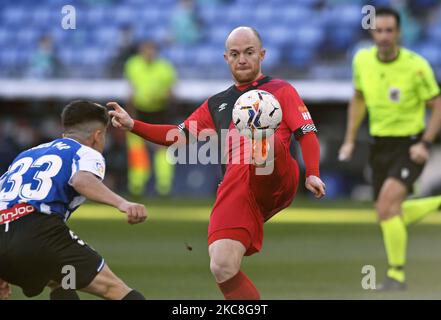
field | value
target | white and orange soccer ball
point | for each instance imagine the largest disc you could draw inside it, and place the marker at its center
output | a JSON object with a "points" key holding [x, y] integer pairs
{"points": [[257, 114]]}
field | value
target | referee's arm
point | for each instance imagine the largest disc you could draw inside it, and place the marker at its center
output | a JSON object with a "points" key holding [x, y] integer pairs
{"points": [[419, 152], [434, 125], [356, 114]]}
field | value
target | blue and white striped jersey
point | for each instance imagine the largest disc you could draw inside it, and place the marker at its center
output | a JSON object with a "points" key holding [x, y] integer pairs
{"points": [[41, 176]]}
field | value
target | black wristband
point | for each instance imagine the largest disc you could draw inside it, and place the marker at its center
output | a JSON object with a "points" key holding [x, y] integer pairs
{"points": [[427, 144]]}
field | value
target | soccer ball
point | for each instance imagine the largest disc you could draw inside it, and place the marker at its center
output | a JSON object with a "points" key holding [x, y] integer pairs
{"points": [[257, 114]]}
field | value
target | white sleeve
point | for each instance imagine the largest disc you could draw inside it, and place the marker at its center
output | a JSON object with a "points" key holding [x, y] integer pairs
{"points": [[2, 179], [88, 159]]}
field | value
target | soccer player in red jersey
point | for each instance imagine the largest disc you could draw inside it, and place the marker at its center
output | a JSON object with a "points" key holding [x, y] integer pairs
{"points": [[245, 200]]}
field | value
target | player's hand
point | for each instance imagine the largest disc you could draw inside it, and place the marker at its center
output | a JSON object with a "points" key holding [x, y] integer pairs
{"points": [[120, 117], [136, 213], [419, 153], [316, 186], [5, 290], [346, 150]]}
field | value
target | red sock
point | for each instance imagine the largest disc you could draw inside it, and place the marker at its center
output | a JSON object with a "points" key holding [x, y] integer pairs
{"points": [[239, 287]]}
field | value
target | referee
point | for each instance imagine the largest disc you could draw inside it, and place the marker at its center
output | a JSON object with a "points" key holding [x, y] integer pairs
{"points": [[394, 85]]}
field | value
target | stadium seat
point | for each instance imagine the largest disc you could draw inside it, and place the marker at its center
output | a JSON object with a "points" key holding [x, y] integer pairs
{"points": [[218, 34], [179, 55], [237, 15], [300, 58], [151, 16], [5, 37], [307, 37], [294, 15], [105, 36], [14, 16], [434, 33], [123, 14], [348, 15], [276, 36], [273, 58], [211, 15], [432, 52], [342, 38], [27, 36], [210, 56]]}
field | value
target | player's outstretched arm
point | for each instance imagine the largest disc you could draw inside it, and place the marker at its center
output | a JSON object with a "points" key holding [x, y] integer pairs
{"points": [[310, 147], [88, 185], [162, 134], [356, 114], [5, 290]]}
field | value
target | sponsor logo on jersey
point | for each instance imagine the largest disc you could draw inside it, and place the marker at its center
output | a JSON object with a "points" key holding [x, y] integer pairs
{"points": [[394, 94], [99, 168], [181, 126], [15, 212], [305, 113], [222, 107], [308, 128]]}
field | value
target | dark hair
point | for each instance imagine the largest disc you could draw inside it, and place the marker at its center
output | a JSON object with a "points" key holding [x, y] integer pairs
{"points": [[83, 111], [386, 11]]}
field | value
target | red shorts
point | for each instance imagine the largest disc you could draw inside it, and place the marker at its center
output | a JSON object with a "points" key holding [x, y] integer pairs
{"points": [[245, 200]]}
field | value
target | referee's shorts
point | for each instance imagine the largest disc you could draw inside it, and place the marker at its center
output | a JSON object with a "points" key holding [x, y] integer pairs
{"points": [[390, 158]]}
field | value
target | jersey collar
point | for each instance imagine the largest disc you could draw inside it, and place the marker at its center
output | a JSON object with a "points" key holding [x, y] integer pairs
{"points": [[390, 61], [245, 86]]}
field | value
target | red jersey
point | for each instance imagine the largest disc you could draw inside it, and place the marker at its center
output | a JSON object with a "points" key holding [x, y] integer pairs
{"points": [[215, 114]]}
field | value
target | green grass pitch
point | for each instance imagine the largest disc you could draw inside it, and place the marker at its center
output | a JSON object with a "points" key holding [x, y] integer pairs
{"points": [[310, 252]]}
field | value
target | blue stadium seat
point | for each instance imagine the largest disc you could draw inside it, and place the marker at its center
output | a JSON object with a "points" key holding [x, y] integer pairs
{"points": [[95, 16], [348, 16], [301, 58], [434, 33], [218, 34], [179, 55], [5, 37], [14, 60], [277, 36], [15, 16], [69, 56], [342, 39], [309, 37], [45, 17], [380, 3], [212, 15], [105, 35], [308, 3], [94, 56], [208, 56], [273, 58], [26, 36], [294, 15], [151, 16], [265, 13], [123, 14], [430, 51], [237, 15]]}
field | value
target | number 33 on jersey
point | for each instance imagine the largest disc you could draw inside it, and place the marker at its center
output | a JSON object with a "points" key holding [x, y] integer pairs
{"points": [[41, 176]]}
